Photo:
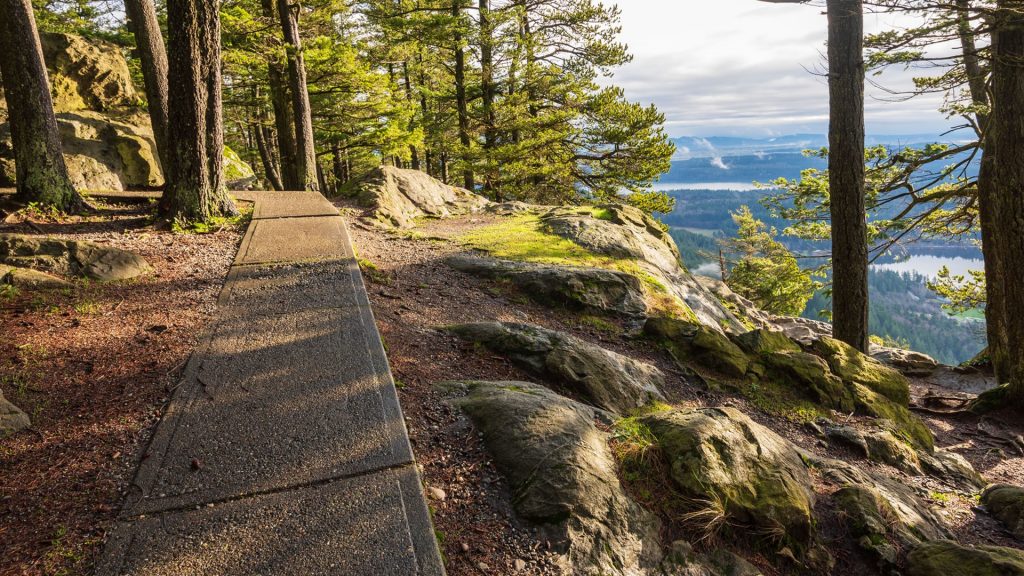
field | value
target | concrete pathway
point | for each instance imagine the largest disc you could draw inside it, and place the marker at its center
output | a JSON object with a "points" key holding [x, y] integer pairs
{"points": [[283, 450]]}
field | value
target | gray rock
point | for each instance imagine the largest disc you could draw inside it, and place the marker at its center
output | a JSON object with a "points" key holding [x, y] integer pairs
{"points": [[953, 469], [28, 279], [755, 477], [602, 378], [682, 560], [1006, 504], [398, 197], [908, 362], [12, 419], [946, 558], [71, 258], [849, 436], [87, 74], [764, 341], [594, 289], [563, 477]]}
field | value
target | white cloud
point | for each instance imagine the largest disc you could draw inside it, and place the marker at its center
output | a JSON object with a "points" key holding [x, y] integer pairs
{"points": [[743, 67]]}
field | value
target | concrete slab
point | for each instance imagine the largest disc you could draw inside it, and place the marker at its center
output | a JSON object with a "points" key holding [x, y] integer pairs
{"points": [[276, 289], [275, 402], [292, 205], [371, 525], [295, 240]]}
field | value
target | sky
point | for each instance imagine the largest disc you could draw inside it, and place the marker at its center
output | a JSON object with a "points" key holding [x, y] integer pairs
{"points": [[746, 68]]}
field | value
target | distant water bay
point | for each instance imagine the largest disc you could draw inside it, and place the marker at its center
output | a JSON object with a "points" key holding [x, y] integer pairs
{"points": [[738, 186], [928, 265]]}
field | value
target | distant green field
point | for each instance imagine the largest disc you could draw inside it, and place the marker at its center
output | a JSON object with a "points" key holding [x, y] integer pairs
{"points": [[976, 314]]}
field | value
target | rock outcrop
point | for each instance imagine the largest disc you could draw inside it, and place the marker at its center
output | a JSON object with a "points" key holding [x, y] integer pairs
{"points": [[602, 378], [26, 278], [946, 558], [696, 342], [398, 197], [106, 136], [626, 232], [755, 477], [12, 418], [593, 289], [71, 258], [563, 477], [852, 366], [1006, 504]]}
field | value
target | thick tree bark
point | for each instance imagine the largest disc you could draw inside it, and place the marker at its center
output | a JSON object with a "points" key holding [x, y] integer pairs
{"points": [[487, 88], [41, 172], [461, 101], [305, 159], [149, 41], [1006, 144], [195, 180], [284, 119], [846, 172], [977, 83]]}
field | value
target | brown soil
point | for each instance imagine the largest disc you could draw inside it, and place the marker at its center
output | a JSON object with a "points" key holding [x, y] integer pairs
{"points": [[413, 292], [93, 366]]}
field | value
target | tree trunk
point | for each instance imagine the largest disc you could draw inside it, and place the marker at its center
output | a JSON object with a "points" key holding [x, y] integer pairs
{"points": [[976, 80], [461, 101], [487, 89], [340, 178], [269, 167], [846, 172], [305, 159], [1006, 144], [195, 180], [41, 172], [425, 110], [284, 120], [150, 43]]}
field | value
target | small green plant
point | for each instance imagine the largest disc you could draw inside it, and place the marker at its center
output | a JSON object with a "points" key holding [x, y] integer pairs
{"points": [[600, 324], [88, 308], [374, 273], [8, 292]]}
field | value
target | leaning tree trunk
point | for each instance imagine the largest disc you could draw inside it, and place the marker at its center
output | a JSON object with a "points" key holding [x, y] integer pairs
{"points": [[152, 53], [41, 172], [305, 159], [846, 172], [195, 180], [1006, 143]]}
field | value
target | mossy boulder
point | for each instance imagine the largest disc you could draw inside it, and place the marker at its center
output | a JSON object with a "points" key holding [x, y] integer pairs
{"points": [[237, 173], [71, 258], [600, 377], [562, 476], [885, 447], [577, 288], [397, 197], [87, 74], [698, 343], [855, 367], [810, 375], [763, 341], [905, 424], [1006, 504], [755, 477], [946, 558]]}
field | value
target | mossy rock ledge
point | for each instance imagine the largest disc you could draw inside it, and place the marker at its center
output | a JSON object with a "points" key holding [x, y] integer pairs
{"points": [[71, 258], [696, 342], [946, 558], [1006, 504], [604, 379]]}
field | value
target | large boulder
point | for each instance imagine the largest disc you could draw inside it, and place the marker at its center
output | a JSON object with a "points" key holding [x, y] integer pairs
{"points": [[398, 197], [721, 455], [625, 232], [898, 417], [946, 558], [87, 74], [593, 289], [882, 529], [908, 362], [696, 342], [853, 366], [71, 258], [1006, 504], [604, 379], [810, 376], [563, 477], [952, 469], [12, 418]]}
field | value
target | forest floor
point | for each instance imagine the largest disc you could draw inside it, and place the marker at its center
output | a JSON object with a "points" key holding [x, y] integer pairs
{"points": [[413, 293], [93, 366]]}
